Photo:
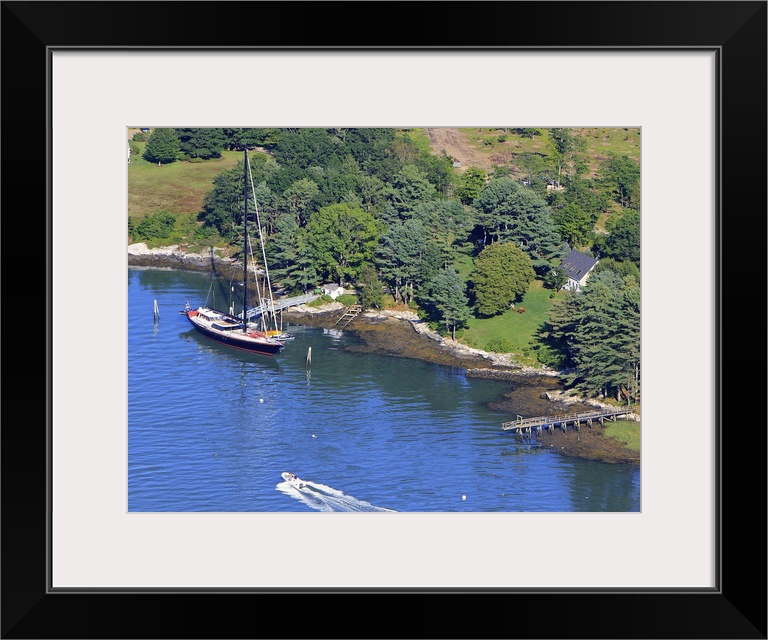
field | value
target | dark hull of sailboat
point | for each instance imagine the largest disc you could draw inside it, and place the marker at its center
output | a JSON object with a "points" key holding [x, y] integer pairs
{"points": [[234, 340]]}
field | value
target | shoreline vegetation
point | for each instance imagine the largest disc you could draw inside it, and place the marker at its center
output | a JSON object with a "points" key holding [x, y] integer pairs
{"points": [[403, 334]]}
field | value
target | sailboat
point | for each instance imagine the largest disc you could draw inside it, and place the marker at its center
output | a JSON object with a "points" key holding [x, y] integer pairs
{"points": [[227, 328]]}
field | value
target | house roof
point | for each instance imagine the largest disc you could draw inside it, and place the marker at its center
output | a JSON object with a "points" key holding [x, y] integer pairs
{"points": [[576, 265]]}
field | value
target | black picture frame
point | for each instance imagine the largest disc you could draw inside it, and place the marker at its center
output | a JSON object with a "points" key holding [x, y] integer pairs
{"points": [[736, 608]]}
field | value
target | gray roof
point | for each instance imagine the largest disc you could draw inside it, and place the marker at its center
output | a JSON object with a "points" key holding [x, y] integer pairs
{"points": [[576, 265]]}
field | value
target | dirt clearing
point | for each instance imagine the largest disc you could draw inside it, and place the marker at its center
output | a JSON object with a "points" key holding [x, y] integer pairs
{"points": [[456, 145]]}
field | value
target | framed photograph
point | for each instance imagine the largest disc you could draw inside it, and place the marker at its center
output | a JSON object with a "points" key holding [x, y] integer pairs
{"points": [[691, 77]]}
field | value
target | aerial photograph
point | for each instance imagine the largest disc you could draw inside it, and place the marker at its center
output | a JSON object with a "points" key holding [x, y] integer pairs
{"points": [[384, 319]]}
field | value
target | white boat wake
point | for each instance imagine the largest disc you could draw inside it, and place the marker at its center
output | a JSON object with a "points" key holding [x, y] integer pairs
{"points": [[321, 497]]}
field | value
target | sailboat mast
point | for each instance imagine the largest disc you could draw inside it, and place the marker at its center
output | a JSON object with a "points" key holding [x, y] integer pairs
{"points": [[245, 239]]}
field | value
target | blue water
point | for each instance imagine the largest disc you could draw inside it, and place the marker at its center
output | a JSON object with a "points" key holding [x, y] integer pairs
{"points": [[211, 429]]}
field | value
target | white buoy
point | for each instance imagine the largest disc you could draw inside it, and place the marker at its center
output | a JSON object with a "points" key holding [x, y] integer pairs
{"points": [[314, 436], [261, 399], [463, 497]]}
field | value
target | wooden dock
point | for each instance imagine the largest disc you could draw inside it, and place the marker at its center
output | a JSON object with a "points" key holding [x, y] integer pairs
{"points": [[349, 315], [278, 304], [563, 421]]}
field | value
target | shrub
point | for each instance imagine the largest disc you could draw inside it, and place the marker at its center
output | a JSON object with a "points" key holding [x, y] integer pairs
{"points": [[139, 137], [323, 299], [550, 358], [347, 299], [501, 345], [157, 225]]}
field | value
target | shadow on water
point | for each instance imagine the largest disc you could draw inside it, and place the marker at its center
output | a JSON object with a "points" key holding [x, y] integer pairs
{"points": [[208, 346]]}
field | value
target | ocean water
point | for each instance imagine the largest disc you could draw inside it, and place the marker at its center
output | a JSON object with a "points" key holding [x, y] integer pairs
{"points": [[211, 429]]}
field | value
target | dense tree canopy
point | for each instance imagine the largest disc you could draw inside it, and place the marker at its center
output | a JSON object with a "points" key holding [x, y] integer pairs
{"points": [[510, 212], [598, 330], [341, 237], [502, 274], [623, 241], [621, 175], [445, 301], [163, 146], [376, 207], [202, 143]]}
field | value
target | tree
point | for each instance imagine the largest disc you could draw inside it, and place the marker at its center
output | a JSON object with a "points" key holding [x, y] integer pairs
{"points": [[409, 188], [600, 329], [444, 300], [157, 225], [607, 340], [370, 189], [573, 224], [400, 257], [510, 212], [297, 198], [621, 175], [502, 274], [445, 223], [202, 143], [302, 148], [555, 279], [623, 242], [370, 288], [163, 146], [565, 145], [342, 237], [471, 184], [289, 255], [223, 205], [623, 269]]}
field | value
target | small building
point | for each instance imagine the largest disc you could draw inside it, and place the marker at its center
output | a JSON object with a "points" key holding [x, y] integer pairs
{"points": [[577, 266], [333, 290]]}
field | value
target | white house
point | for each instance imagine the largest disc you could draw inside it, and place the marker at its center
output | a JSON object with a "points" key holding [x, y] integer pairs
{"points": [[577, 266], [333, 290]]}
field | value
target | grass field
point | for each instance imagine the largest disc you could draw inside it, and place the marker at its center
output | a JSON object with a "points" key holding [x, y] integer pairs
{"points": [[178, 188], [599, 142], [624, 431], [519, 329]]}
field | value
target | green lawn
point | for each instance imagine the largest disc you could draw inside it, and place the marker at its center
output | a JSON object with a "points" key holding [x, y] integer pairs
{"points": [[624, 431], [518, 328], [178, 188]]}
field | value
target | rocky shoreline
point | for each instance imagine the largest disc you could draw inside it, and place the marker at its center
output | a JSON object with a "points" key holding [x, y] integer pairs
{"points": [[403, 334]]}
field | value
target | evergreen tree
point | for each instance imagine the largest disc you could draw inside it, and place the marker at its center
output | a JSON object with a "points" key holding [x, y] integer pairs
{"points": [[223, 205], [604, 337], [573, 224], [400, 257], [510, 212], [502, 274], [290, 257], [202, 143], [621, 175], [370, 288], [445, 222], [623, 241], [297, 198], [163, 146], [409, 188], [444, 299], [471, 184]]}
